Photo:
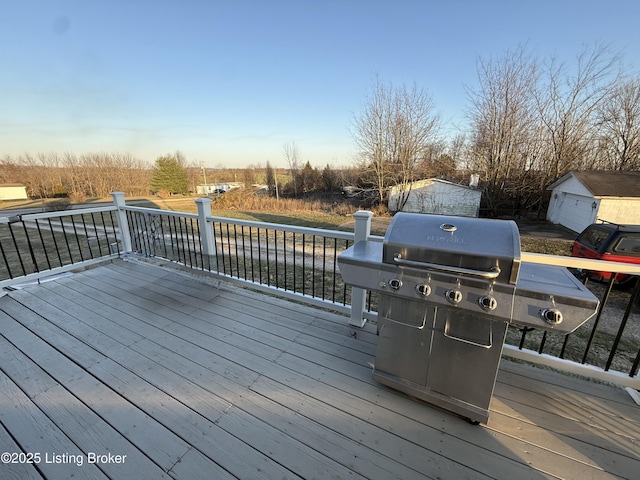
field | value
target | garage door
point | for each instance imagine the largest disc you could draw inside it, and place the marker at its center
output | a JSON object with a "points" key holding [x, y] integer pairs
{"points": [[576, 212]]}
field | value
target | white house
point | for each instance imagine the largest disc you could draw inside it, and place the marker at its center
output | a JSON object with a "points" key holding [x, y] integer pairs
{"points": [[13, 191], [578, 199], [436, 196], [209, 188]]}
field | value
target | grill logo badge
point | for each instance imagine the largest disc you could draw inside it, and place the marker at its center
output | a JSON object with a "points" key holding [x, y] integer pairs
{"points": [[448, 227]]}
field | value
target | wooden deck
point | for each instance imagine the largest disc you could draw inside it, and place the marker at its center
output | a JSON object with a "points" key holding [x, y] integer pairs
{"points": [[183, 378]]}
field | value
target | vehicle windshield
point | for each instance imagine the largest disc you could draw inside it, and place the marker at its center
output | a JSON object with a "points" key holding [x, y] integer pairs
{"points": [[594, 237]]}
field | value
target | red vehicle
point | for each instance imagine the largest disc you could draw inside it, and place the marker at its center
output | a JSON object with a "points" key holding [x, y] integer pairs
{"points": [[611, 242]]}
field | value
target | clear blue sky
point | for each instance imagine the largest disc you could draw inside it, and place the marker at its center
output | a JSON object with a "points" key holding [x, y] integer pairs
{"points": [[229, 82]]}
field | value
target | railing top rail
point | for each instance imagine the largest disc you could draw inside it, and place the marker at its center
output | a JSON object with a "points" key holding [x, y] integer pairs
{"points": [[11, 219], [159, 211], [584, 263], [61, 213], [287, 228]]}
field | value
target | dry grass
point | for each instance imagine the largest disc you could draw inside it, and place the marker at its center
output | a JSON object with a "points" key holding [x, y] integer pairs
{"points": [[548, 246], [331, 213]]}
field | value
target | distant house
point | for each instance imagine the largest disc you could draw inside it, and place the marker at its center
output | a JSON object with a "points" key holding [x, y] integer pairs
{"points": [[578, 199], [211, 188], [436, 196], [13, 191]]}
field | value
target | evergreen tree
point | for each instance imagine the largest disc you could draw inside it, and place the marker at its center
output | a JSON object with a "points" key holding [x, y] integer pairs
{"points": [[330, 179], [169, 175], [271, 180]]}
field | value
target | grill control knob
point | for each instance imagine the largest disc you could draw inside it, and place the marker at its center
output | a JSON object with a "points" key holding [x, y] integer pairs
{"points": [[453, 296], [488, 303], [423, 289], [395, 283], [552, 316]]}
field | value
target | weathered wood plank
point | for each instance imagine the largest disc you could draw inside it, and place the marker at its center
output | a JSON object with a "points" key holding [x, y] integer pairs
{"points": [[372, 431], [213, 316], [80, 424], [233, 455], [157, 442], [591, 414], [563, 438], [36, 433], [332, 444], [247, 316], [613, 402], [195, 465], [229, 453], [294, 456], [227, 343], [210, 351], [15, 470]]}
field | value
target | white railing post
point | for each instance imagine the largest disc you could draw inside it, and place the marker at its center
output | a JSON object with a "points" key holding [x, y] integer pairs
{"points": [[206, 230], [362, 230], [123, 225]]}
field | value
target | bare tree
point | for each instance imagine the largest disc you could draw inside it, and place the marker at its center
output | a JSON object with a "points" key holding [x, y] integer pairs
{"points": [[393, 135], [619, 127], [56, 179], [567, 103], [503, 124], [292, 156], [531, 124], [457, 150]]}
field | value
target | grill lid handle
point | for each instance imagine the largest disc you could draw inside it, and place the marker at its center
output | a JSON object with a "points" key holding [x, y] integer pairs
{"points": [[494, 272]]}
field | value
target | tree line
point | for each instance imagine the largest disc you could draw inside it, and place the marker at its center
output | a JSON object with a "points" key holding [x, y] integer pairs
{"points": [[530, 121], [96, 175], [48, 175], [533, 121]]}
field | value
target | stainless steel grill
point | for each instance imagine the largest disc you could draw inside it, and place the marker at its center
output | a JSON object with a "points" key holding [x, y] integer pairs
{"points": [[449, 287]]}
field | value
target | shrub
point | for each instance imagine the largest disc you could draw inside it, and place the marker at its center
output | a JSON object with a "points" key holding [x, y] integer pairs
{"points": [[58, 205]]}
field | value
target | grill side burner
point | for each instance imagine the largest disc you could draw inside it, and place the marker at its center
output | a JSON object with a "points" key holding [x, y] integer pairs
{"points": [[449, 287]]}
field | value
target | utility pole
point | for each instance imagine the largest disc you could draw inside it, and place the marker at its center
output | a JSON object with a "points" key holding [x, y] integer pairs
{"points": [[204, 176]]}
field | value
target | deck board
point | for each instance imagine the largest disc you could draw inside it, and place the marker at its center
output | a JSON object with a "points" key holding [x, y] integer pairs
{"points": [[36, 433], [85, 427], [15, 471], [193, 378]]}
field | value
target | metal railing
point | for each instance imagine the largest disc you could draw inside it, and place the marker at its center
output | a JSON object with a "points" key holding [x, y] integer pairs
{"points": [[35, 245], [297, 262], [301, 264]]}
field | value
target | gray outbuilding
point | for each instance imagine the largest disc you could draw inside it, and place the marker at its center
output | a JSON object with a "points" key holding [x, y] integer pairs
{"points": [[436, 196]]}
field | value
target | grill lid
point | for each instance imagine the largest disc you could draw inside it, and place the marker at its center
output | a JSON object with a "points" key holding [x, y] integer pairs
{"points": [[483, 248]]}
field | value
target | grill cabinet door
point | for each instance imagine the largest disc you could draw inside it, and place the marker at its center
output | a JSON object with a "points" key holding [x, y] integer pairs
{"points": [[404, 338], [465, 355]]}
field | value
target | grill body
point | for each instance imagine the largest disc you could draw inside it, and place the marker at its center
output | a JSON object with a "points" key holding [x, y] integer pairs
{"points": [[449, 288]]}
